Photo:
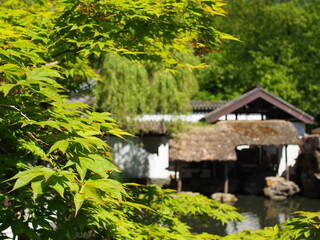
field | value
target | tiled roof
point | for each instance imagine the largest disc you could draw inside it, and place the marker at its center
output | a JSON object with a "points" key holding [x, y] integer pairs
{"points": [[206, 106], [253, 95]]}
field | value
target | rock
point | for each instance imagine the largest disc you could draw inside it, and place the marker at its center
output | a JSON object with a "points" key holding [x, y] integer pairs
{"points": [[279, 188], [224, 197], [274, 180], [190, 193]]}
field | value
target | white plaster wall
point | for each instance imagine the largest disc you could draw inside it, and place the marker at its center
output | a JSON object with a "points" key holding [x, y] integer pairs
{"points": [[242, 117], [159, 163], [195, 117], [292, 151], [301, 128], [130, 158], [170, 117], [148, 158]]}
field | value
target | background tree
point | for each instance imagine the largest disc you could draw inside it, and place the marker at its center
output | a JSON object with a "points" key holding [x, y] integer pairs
{"points": [[278, 50]]}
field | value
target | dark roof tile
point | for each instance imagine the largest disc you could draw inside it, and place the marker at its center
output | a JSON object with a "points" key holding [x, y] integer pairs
{"points": [[206, 106]]}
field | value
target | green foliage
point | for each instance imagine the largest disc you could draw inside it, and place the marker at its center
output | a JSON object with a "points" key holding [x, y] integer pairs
{"points": [[144, 29], [55, 165], [304, 225], [278, 50], [131, 89], [169, 209], [268, 233], [62, 160]]}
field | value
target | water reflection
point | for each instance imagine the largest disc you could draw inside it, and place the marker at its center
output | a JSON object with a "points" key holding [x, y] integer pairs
{"points": [[259, 212], [251, 220]]}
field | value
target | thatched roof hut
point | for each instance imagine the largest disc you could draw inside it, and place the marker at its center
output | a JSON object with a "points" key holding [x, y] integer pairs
{"points": [[219, 141]]}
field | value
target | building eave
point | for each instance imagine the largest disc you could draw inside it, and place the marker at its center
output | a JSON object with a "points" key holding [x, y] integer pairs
{"points": [[253, 95]]}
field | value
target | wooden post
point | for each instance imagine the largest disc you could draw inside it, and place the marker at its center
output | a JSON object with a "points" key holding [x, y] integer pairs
{"points": [[179, 188], [226, 178], [175, 170], [278, 159], [287, 168], [179, 183]]}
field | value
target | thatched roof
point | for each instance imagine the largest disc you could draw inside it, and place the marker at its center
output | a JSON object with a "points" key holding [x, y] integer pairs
{"points": [[218, 142]]}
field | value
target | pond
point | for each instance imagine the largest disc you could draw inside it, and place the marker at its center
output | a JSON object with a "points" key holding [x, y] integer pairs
{"points": [[259, 212]]}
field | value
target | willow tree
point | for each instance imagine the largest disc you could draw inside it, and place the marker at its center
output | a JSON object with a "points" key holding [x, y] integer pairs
{"points": [[55, 167], [129, 89]]}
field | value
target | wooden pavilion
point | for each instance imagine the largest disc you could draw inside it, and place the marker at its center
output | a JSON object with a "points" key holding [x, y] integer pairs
{"points": [[218, 142]]}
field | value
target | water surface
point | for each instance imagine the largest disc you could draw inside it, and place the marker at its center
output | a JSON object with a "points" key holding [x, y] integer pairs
{"points": [[259, 212]]}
